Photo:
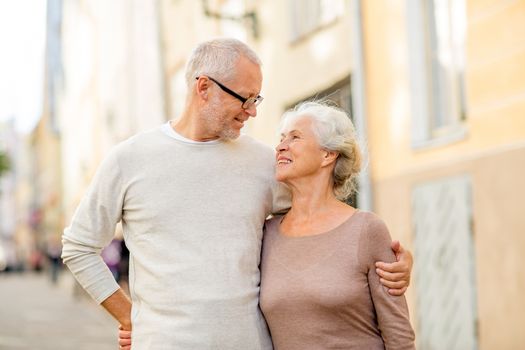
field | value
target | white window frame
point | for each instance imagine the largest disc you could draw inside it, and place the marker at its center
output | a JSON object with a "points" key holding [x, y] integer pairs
{"points": [[307, 16], [437, 72]]}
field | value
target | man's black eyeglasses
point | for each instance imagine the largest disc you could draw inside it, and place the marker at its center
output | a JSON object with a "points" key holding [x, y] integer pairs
{"points": [[246, 102]]}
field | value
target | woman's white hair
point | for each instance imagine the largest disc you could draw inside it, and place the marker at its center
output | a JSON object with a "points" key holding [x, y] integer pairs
{"points": [[335, 132], [218, 58]]}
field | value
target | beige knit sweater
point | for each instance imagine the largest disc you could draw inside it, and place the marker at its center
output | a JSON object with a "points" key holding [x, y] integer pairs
{"points": [[192, 216]]}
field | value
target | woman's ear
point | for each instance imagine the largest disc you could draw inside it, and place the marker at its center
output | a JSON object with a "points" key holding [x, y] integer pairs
{"points": [[329, 157]]}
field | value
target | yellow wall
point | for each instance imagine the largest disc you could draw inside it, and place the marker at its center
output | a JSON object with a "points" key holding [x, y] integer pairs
{"points": [[495, 84], [492, 151]]}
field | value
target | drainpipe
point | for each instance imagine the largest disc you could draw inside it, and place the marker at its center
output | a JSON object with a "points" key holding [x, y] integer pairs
{"points": [[364, 197], [165, 88]]}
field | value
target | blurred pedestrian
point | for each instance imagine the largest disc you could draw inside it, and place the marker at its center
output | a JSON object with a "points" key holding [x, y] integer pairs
{"points": [[3, 259], [123, 267], [36, 260], [53, 252], [192, 195], [111, 256]]}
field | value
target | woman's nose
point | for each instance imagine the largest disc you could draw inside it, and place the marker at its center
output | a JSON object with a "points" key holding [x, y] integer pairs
{"points": [[281, 146]]}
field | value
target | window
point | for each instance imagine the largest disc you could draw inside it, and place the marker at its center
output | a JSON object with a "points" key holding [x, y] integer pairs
{"points": [[310, 15], [55, 79], [339, 93], [437, 42]]}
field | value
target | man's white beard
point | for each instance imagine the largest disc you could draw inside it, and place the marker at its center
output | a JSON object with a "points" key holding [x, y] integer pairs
{"points": [[217, 123]]}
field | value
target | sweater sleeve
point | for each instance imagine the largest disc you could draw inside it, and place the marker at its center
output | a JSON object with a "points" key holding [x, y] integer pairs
{"points": [[92, 228], [392, 311]]}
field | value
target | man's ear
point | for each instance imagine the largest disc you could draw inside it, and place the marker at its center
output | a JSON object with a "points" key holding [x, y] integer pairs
{"points": [[329, 157], [201, 87]]}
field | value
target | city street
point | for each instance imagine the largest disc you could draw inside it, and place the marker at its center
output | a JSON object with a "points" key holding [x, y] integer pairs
{"points": [[34, 314]]}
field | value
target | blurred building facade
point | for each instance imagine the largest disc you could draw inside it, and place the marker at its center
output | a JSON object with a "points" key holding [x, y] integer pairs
{"points": [[436, 90], [102, 84], [110, 85], [9, 144]]}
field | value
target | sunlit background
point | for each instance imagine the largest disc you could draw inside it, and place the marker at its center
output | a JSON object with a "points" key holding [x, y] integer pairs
{"points": [[436, 89], [23, 35]]}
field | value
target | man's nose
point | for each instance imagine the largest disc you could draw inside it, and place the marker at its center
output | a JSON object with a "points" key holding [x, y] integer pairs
{"points": [[251, 111]]}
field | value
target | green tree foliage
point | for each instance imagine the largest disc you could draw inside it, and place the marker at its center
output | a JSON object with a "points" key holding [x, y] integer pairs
{"points": [[4, 163]]}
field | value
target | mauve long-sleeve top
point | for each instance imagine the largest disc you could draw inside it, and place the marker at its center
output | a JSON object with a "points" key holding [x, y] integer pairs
{"points": [[322, 292]]}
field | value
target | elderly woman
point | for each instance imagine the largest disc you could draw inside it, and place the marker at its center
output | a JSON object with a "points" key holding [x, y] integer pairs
{"points": [[319, 287]]}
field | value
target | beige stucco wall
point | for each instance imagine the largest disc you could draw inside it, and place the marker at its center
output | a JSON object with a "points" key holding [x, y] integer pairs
{"points": [[492, 151], [291, 70], [295, 70], [498, 234]]}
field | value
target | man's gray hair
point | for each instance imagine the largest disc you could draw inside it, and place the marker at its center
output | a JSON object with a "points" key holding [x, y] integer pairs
{"points": [[335, 132], [217, 58]]}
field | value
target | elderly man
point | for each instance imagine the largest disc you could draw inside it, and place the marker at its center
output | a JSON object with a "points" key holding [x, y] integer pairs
{"points": [[192, 196]]}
